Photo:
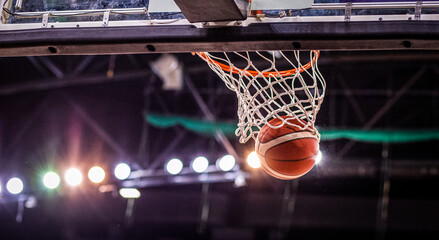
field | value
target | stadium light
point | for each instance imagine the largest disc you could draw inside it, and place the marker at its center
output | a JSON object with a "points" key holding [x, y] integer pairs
{"points": [[226, 163], [122, 171], [14, 185], [319, 157], [174, 166], [73, 177], [253, 160], [200, 164], [51, 180], [96, 174], [129, 193]]}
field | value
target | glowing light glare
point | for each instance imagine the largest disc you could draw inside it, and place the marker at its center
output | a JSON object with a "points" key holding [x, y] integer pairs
{"points": [[122, 171], [200, 164], [31, 202], [51, 180], [129, 193], [96, 174], [226, 163], [319, 157], [73, 177], [14, 185], [253, 160], [174, 166], [239, 181]]}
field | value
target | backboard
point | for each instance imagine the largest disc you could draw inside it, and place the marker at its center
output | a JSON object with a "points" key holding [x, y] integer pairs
{"points": [[31, 27]]}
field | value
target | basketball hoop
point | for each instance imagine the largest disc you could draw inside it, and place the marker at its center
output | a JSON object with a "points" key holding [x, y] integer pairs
{"points": [[264, 92]]}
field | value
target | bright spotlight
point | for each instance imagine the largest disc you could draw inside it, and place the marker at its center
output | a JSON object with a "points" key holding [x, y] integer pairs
{"points": [[96, 174], [253, 160], [129, 193], [226, 163], [14, 185], [122, 171], [51, 180], [319, 157], [200, 164], [174, 166], [73, 177]]}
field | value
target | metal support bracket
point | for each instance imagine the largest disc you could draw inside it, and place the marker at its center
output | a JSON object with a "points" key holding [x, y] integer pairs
{"points": [[348, 12], [221, 24], [45, 20], [106, 19], [418, 9]]}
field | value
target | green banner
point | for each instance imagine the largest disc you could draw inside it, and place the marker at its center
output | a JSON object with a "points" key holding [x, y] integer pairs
{"points": [[209, 128]]}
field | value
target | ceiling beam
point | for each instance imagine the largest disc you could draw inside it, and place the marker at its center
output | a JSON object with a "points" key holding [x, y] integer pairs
{"points": [[70, 81]]}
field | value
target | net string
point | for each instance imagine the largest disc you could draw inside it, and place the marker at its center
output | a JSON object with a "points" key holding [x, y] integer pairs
{"points": [[264, 94]]}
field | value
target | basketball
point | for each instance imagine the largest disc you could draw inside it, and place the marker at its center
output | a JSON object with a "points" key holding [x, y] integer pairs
{"points": [[286, 152]]}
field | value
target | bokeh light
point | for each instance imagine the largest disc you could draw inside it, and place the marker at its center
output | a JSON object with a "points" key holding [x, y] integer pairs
{"points": [[31, 202], [200, 164], [319, 157], [122, 171], [14, 185], [73, 177], [253, 160], [96, 174], [239, 181], [174, 166], [226, 163], [51, 180], [129, 193]]}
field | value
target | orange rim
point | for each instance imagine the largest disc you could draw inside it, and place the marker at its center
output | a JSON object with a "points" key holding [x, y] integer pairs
{"points": [[253, 73]]}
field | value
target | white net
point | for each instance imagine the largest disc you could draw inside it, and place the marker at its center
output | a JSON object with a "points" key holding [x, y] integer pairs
{"points": [[265, 93]]}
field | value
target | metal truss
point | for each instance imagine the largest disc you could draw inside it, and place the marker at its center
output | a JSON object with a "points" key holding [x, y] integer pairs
{"points": [[386, 107]]}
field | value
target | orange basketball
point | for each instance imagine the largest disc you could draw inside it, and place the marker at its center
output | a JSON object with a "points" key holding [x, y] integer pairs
{"points": [[287, 152]]}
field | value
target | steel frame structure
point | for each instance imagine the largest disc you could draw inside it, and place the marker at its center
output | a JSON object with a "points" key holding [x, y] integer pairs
{"points": [[387, 169], [394, 35], [339, 32]]}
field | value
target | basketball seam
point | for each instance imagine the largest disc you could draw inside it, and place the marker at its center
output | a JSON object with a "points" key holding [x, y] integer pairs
{"points": [[266, 166], [295, 160], [284, 134], [284, 175], [287, 142], [266, 143], [277, 174]]}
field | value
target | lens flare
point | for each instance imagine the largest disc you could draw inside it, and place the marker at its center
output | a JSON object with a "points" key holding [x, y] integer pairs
{"points": [[174, 166], [73, 177], [226, 163], [14, 185], [96, 174], [319, 157], [200, 164], [129, 193], [122, 171], [51, 180], [253, 160]]}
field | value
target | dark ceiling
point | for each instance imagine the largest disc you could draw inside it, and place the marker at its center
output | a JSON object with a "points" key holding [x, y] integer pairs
{"points": [[63, 110]]}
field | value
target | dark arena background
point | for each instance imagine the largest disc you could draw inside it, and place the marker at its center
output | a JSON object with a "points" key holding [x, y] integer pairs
{"points": [[71, 98]]}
